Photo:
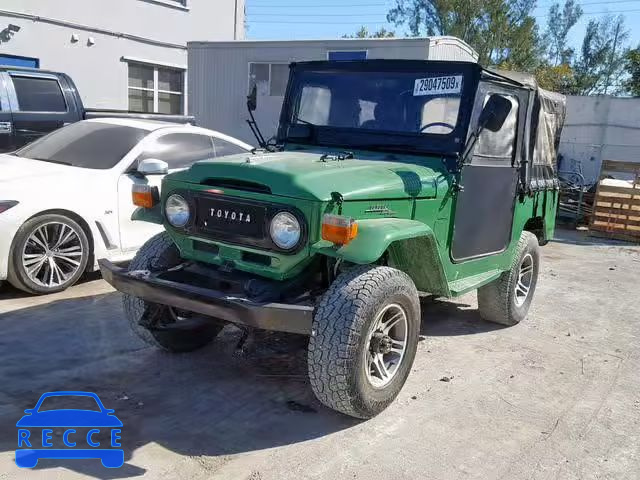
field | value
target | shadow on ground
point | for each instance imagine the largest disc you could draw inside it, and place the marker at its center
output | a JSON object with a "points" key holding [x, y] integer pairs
{"points": [[225, 399]]}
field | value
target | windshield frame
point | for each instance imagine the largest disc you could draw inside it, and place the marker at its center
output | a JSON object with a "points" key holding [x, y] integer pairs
{"points": [[450, 144]]}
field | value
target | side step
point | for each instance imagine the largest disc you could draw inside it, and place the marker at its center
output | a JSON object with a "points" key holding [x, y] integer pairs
{"points": [[466, 284]]}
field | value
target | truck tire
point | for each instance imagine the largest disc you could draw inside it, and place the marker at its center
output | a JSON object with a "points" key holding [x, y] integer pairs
{"points": [[506, 301], [165, 327], [49, 254], [364, 338]]}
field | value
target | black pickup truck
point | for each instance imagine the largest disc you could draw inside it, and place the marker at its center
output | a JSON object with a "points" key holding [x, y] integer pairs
{"points": [[35, 102]]}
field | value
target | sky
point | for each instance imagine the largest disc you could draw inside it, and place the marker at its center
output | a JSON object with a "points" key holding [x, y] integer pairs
{"points": [[325, 19]]}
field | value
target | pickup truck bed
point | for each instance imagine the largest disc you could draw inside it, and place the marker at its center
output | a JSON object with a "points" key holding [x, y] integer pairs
{"points": [[35, 102]]}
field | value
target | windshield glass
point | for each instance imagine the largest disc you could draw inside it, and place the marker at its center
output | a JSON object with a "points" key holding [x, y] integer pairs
{"points": [[407, 102], [85, 144]]}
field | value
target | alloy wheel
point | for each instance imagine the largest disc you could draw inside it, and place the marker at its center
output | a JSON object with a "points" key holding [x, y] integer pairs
{"points": [[52, 254], [386, 345], [525, 279]]}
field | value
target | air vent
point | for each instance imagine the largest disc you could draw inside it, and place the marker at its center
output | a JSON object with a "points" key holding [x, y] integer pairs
{"points": [[237, 185], [206, 247], [256, 258]]}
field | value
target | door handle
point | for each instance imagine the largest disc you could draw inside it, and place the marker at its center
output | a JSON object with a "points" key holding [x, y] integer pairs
{"points": [[6, 128]]}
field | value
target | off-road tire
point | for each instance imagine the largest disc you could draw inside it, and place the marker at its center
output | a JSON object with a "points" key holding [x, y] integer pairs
{"points": [[17, 275], [341, 322], [160, 253], [497, 300]]}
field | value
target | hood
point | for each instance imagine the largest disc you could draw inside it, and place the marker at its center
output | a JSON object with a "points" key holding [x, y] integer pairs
{"points": [[13, 169], [306, 175], [20, 175]]}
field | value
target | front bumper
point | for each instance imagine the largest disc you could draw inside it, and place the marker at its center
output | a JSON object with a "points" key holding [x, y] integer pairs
{"points": [[205, 301]]}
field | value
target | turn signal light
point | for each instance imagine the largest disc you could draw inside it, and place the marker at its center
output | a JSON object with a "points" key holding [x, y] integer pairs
{"points": [[338, 229], [144, 196]]}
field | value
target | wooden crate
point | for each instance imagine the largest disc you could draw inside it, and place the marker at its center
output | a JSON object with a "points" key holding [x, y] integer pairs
{"points": [[616, 209]]}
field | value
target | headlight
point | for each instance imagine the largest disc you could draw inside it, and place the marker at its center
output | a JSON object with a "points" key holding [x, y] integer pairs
{"points": [[177, 211], [285, 230]]}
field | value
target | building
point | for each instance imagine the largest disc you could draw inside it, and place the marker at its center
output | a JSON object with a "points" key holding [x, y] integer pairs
{"points": [[222, 72], [599, 128], [122, 54]]}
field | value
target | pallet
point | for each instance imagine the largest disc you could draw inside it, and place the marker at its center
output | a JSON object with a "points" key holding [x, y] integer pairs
{"points": [[616, 208]]}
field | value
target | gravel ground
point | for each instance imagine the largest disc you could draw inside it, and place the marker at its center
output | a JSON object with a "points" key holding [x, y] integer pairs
{"points": [[556, 397]]}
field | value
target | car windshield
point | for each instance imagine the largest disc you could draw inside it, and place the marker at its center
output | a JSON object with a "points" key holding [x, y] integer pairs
{"points": [[93, 145], [69, 402], [407, 102]]}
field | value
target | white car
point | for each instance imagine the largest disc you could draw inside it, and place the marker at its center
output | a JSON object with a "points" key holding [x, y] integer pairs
{"points": [[65, 200]]}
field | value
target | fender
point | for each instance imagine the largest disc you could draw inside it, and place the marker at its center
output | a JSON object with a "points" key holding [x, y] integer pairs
{"points": [[150, 215], [411, 245]]}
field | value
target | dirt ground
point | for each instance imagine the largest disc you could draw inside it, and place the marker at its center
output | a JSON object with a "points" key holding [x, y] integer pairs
{"points": [[556, 397]]}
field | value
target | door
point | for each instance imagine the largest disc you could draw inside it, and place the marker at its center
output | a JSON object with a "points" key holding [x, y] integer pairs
{"points": [[40, 106], [179, 150], [6, 120], [485, 205]]}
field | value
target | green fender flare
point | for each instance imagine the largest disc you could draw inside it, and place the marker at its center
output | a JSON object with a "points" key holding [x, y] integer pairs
{"points": [[150, 215], [411, 245]]}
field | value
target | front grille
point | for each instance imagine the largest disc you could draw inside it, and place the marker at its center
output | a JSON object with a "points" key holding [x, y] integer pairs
{"points": [[240, 221]]}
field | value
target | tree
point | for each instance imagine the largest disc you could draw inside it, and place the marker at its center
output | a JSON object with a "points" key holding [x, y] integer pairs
{"points": [[559, 23], [633, 70], [501, 31], [364, 33], [603, 54]]}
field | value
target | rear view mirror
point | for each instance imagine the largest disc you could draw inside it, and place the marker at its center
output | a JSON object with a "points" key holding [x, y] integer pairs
{"points": [[153, 166], [495, 112], [252, 99]]}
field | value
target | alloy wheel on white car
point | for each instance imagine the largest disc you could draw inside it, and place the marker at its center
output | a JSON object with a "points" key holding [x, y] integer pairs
{"points": [[52, 254]]}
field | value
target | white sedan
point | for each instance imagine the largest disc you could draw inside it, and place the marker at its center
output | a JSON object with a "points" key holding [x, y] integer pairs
{"points": [[65, 200]]}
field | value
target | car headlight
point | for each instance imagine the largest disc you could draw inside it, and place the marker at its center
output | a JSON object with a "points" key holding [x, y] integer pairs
{"points": [[285, 230], [177, 211]]}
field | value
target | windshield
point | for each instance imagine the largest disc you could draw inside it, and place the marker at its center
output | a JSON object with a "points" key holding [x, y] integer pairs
{"points": [[85, 144], [407, 102]]}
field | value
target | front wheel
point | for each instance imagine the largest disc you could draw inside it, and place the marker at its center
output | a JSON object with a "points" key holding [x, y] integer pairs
{"points": [[159, 325], [49, 254], [364, 339], [506, 301]]}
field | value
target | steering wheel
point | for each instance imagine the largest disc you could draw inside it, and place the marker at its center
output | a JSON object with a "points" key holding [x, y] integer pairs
{"points": [[437, 124]]}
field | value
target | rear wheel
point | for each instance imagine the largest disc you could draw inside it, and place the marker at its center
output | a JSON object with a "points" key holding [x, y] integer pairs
{"points": [[364, 339], [49, 254], [159, 325], [506, 301]]}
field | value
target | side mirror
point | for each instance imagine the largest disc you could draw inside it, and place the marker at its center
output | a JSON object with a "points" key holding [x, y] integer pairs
{"points": [[252, 99], [153, 166], [495, 112]]}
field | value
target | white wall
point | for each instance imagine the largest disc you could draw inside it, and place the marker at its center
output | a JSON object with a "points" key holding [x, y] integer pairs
{"points": [[599, 128], [99, 71]]}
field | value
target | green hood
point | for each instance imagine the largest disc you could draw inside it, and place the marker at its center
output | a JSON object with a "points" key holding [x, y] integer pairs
{"points": [[304, 175]]}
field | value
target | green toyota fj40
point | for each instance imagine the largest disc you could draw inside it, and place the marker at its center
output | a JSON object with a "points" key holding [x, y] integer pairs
{"points": [[388, 179]]}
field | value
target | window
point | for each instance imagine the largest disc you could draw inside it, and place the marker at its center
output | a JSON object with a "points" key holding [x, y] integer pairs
{"points": [[156, 89], [179, 150], [500, 145], [383, 101], [344, 55], [269, 78], [85, 144], [39, 94], [440, 115], [222, 148]]}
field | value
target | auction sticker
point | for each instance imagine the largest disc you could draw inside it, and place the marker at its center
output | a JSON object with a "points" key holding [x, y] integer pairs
{"points": [[438, 85]]}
